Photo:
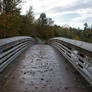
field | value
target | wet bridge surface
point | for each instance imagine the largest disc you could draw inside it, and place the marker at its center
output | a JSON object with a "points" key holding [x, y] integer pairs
{"points": [[41, 69]]}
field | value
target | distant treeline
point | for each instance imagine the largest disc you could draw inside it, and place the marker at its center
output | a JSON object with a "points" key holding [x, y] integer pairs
{"points": [[12, 23]]}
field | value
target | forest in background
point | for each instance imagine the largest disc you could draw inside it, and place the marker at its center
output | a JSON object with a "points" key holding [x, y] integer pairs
{"points": [[12, 23]]}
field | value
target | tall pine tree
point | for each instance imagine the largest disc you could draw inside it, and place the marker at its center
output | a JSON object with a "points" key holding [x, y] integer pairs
{"points": [[10, 6]]}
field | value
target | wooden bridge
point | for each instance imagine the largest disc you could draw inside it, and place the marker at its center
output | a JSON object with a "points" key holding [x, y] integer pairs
{"points": [[62, 65]]}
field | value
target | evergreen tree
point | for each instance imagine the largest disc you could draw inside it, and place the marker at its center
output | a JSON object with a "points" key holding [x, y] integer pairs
{"points": [[85, 26], [42, 21], [10, 6], [30, 15]]}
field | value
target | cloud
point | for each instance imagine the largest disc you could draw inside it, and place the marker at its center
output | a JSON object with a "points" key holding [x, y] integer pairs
{"points": [[78, 6], [71, 12]]}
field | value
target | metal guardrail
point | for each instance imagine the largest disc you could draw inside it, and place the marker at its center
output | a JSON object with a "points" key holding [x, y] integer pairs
{"points": [[10, 48], [78, 53]]}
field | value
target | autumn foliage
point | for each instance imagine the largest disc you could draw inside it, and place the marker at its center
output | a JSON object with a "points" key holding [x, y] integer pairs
{"points": [[12, 23]]}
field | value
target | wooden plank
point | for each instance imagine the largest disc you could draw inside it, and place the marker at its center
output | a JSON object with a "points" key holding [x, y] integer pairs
{"points": [[83, 47]]}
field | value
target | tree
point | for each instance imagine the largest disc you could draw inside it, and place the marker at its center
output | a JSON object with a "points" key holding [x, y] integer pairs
{"points": [[50, 21], [30, 15], [9, 18], [44, 27], [42, 20], [27, 23], [10, 6], [85, 26], [27, 28]]}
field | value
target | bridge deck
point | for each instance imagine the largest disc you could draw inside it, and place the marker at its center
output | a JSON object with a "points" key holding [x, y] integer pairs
{"points": [[40, 69]]}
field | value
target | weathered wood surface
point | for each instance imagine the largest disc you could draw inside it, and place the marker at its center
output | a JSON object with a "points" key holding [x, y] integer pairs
{"points": [[83, 47], [12, 39], [41, 69]]}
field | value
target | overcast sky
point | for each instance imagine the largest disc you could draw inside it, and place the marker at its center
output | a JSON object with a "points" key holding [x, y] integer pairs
{"points": [[71, 12]]}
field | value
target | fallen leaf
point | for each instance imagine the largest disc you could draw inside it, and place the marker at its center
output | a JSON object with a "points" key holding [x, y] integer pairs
{"points": [[24, 72], [6, 84], [42, 79], [36, 87]]}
